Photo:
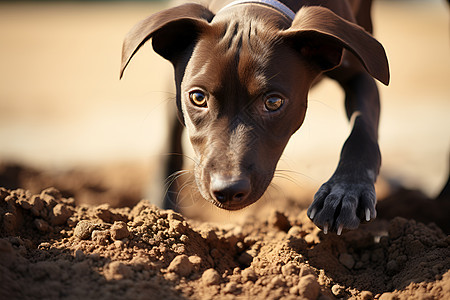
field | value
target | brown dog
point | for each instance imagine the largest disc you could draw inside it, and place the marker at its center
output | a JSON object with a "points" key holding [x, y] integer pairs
{"points": [[243, 70]]}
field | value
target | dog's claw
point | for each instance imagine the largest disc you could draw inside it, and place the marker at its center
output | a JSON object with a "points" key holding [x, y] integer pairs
{"points": [[325, 228], [339, 231], [312, 214], [367, 214]]}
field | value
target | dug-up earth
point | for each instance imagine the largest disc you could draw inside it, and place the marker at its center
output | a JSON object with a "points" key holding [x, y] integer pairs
{"points": [[53, 247]]}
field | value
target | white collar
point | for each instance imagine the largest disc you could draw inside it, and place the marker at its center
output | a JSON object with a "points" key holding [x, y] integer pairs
{"points": [[277, 5]]}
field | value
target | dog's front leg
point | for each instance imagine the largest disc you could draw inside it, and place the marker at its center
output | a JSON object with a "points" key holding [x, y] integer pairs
{"points": [[349, 195]]}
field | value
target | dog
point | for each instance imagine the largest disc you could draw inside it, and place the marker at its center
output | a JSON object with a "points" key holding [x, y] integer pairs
{"points": [[242, 72]]}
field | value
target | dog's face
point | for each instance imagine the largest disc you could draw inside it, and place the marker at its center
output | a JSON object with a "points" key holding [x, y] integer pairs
{"points": [[242, 79], [242, 96]]}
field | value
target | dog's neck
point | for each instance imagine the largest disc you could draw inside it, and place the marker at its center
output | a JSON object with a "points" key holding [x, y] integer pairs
{"points": [[274, 4]]}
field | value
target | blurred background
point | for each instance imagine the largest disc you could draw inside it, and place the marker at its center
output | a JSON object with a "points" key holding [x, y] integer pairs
{"points": [[63, 107]]}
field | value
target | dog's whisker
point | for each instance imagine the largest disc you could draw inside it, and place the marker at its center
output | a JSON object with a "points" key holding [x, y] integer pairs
{"points": [[277, 188], [171, 179], [282, 172], [165, 100], [193, 193], [323, 103], [174, 176], [287, 177], [274, 76], [196, 196], [185, 183], [290, 170], [274, 186], [188, 183], [192, 159]]}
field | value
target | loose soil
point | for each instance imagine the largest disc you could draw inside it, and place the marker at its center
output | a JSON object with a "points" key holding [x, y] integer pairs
{"points": [[53, 246]]}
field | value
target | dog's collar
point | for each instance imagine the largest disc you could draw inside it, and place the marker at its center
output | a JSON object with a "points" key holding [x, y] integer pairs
{"points": [[277, 5]]}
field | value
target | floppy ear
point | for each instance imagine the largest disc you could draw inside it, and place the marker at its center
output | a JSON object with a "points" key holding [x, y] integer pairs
{"points": [[321, 35], [172, 30]]}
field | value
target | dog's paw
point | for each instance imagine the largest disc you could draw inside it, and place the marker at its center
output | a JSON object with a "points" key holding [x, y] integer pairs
{"points": [[339, 205]]}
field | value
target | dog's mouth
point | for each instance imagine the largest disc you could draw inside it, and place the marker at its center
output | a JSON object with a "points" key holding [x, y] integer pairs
{"points": [[231, 205]]}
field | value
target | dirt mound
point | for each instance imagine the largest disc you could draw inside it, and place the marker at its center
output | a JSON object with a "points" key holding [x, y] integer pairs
{"points": [[51, 248]]}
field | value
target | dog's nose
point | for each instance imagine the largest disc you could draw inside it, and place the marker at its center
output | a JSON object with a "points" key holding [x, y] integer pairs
{"points": [[227, 189]]}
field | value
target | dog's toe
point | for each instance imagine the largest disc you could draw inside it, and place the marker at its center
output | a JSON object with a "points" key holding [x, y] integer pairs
{"points": [[339, 206]]}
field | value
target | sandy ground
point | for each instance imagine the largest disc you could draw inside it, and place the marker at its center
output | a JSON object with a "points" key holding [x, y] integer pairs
{"points": [[67, 121]]}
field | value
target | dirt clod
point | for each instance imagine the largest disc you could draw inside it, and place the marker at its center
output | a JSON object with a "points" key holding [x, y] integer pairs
{"points": [[308, 287], [347, 260], [248, 275], [181, 265], [280, 221], [83, 230], [59, 214], [211, 277], [119, 230]]}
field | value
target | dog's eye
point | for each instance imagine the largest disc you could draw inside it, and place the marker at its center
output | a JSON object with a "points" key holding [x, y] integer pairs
{"points": [[198, 98], [273, 103]]}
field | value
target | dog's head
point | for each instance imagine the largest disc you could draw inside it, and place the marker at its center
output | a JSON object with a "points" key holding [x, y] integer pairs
{"points": [[242, 79]]}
